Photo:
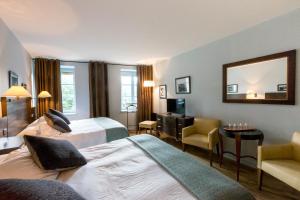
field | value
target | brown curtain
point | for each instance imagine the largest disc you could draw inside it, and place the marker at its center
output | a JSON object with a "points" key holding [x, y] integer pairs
{"points": [[144, 94], [98, 85], [47, 77]]}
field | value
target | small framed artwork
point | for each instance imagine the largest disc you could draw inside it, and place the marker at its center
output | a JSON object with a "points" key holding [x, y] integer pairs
{"points": [[163, 91], [281, 87], [233, 88], [13, 78], [183, 85]]}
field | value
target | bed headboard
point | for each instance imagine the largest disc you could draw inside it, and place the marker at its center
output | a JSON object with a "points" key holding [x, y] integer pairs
{"points": [[18, 112]]}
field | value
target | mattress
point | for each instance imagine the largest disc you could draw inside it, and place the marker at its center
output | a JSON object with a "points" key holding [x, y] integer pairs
{"points": [[85, 132]]}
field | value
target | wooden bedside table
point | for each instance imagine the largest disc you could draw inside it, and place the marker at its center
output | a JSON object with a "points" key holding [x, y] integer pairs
{"points": [[9, 144]]}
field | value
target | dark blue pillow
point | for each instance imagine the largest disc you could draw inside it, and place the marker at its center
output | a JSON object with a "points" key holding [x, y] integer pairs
{"points": [[59, 114], [52, 154], [57, 123], [21, 189]]}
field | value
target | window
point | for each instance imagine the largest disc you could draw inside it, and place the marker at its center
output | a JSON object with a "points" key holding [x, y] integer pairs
{"points": [[128, 89], [68, 89]]}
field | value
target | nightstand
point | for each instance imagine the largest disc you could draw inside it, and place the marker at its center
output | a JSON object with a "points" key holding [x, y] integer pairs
{"points": [[8, 144]]}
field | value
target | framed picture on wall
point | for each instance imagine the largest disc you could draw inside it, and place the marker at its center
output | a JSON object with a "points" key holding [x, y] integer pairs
{"points": [[13, 78], [183, 85], [233, 88], [163, 91]]}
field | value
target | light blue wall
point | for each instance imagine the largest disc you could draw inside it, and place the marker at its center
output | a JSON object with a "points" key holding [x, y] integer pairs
{"points": [[13, 57], [204, 65]]}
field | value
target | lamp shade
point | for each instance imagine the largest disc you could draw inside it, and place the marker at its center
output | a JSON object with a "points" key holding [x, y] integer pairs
{"points": [[148, 83], [16, 91], [44, 94]]}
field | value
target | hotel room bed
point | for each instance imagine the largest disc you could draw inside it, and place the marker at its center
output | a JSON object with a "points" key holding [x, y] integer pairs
{"points": [[138, 167], [85, 132]]}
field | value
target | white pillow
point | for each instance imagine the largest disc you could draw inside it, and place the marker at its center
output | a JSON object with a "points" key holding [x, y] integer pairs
{"points": [[19, 165]]}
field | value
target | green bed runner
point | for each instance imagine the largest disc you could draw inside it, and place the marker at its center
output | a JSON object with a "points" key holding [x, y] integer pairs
{"points": [[204, 182], [114, 130]]}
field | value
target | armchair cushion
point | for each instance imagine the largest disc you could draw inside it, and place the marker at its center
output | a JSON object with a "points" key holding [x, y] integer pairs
{"points": [[274, 152], [187, 131], [198, 140], [287, 171]]}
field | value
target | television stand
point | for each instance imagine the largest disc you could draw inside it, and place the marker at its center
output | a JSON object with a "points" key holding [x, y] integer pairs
{"points": [[172, 124]]}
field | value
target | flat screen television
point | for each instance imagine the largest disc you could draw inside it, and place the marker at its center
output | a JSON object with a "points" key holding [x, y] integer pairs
{"points": [[176, 106]]}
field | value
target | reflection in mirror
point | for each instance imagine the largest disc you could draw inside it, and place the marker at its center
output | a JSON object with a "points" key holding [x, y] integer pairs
{"points": [[267, 79], [262, 80]]}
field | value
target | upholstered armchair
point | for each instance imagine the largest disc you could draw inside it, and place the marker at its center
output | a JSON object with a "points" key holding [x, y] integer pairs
{"points": [[203, 133], [281, 161]]}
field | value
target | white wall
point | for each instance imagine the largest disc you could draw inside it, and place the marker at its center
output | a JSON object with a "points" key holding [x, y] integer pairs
{"points": [[81, 89], [13, 57], [204, 65], [114, 88]]}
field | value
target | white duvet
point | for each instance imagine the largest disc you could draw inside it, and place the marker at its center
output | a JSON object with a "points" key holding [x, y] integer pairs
{"points": [[120, 170], [115, 171], [85, 132]]}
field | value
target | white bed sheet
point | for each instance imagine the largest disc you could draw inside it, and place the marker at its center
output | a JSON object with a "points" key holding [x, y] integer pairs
{"points": [[121, 170], [85, 132]]}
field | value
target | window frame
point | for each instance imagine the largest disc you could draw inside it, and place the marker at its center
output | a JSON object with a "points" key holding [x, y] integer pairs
{"points": [[71, 69], [132, 73]]}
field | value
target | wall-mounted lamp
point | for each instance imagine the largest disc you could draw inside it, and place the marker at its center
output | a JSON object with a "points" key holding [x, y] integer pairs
{"points": [[148, 83]]}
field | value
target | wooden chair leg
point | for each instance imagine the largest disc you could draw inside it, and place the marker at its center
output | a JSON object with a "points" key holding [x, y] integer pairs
{"points": [[260, 178], [218, 150], [183, 147], [210, 157]]}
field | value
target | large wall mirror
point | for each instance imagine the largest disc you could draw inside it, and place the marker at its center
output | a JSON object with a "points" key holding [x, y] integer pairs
{"points": [[265, 80]]}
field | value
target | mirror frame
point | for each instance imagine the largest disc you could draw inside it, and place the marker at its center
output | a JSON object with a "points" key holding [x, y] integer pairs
{"points": [[291, 78]]}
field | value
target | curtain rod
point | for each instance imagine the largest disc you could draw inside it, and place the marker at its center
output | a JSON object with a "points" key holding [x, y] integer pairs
{"points": [[88, 62]]}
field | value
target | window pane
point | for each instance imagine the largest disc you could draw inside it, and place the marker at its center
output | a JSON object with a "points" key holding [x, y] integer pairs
{"points": [[68, 89], [128, 89], [126, 79], [67, 78]]}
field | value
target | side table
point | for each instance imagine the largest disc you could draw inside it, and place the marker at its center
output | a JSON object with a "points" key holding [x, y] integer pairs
{"points": [[8, 144], [239, 136]]}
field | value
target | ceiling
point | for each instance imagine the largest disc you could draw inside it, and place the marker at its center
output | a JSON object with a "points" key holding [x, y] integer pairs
{"points": [[131, 31]]}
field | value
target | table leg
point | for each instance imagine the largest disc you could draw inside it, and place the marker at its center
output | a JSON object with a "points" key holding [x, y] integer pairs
{"points": [[222, 150], [150, 131], [238, 155]]}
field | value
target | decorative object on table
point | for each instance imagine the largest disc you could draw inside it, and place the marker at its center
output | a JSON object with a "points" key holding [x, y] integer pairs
{"points": [[281, 87], [183, 85], [233, 88], [239, 136], [9, 144], [13, 79], [163, 91], [203, 133], [17, 92], [281, 161]]}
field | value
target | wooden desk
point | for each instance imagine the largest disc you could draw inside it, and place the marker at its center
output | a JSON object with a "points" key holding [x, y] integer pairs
{"points": [[9, 144], [238, 136], [172, 124]]}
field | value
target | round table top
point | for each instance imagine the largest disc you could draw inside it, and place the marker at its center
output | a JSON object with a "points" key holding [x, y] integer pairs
{"points": [[245, 135]]}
